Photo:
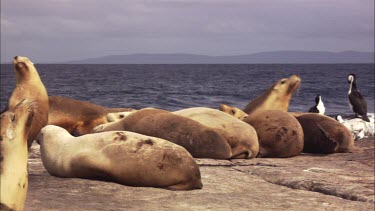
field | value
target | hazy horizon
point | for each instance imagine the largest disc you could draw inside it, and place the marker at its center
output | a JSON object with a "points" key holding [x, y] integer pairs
{"points": [[55, 31]]}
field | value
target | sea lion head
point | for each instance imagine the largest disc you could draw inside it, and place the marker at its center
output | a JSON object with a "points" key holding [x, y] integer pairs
{"points": [[17, 121], [116, 116], [236, 112], [23, 66], [287, 86]]}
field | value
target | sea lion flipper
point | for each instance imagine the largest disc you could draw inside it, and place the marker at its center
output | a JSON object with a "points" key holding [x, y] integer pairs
{"points": [[324, 132], [331, 144]]}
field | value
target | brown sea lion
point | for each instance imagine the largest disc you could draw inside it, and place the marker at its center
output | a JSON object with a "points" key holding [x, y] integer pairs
{"points": [[323, 134], [29, 86], [276, 97], [233, 111], [77, 117], [15, 128], [239, 114], [119, 156], [280, 134], [200, 140], [241, 136]]}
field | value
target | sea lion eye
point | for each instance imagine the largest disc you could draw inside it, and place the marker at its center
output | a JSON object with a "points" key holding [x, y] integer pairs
{"points": [[122, 116], [283, 81], [232, 111]]}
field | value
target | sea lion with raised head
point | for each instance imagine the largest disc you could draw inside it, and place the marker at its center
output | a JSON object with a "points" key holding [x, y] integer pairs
{"points": [[276, 97], [119, 156], [78, 117], [198, 139], [15, 128], [280, 135], [241, 136], [29, 86]]}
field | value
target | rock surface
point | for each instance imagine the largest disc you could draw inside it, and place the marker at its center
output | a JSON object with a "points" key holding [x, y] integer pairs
{"points": [[343, 181]]}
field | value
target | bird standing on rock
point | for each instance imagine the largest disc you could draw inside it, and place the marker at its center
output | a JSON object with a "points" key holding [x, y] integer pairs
{"points": [[356, 100], [319, 105]]}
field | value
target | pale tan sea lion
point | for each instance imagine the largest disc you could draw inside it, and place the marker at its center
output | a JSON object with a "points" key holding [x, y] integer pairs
{"points": [[29, 86], [116, 116], [241, 136], [276, 97], [119, 156], [78, 117], [280, 134], [233, 111], [15, 128], [323, 134], [198, 139]]}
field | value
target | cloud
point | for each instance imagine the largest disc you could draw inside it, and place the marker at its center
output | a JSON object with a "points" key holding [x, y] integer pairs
{"points": [[87, 28]]}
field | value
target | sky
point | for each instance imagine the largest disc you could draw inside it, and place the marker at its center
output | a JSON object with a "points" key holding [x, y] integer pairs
{"points": [[53, 31]]}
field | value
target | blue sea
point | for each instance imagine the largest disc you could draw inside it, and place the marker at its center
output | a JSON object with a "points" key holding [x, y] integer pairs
{"points": [[173, 87]]}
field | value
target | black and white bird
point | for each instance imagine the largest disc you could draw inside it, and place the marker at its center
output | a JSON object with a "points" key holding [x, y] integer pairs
{"points": [[319, 106], [356, 100]]}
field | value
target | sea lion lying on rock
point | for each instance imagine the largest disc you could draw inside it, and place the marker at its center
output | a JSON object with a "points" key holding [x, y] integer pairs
{"points": [[78, 117], [240, 136], [280, 134], [201, 141], [123, 157], [324, 134]]}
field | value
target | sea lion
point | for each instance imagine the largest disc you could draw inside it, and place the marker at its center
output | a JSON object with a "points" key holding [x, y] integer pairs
{"points": [[280, 134], [77, 117], [119, 156], [241, 136], [29, 86], [198, 139], [116, 116], [323, 134], [16, 125], [276, 97], [233, 111]]}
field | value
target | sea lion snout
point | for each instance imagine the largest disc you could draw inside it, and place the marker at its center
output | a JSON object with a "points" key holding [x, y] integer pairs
{"points": [[20, 65], [20, 60], [295, 81]]}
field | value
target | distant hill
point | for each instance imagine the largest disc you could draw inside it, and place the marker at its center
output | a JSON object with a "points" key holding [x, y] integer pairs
{"points": [[260, 58]]}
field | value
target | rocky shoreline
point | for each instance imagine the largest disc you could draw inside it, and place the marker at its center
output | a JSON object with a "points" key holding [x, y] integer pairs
{"points": [[341, 181]]}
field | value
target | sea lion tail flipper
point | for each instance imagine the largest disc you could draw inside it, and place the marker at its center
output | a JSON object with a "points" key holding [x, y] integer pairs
{"points": [[241, 154], [187, 185]]}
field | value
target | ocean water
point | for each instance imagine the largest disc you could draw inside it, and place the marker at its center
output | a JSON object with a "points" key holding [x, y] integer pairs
{"points": [[173, 87]]}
